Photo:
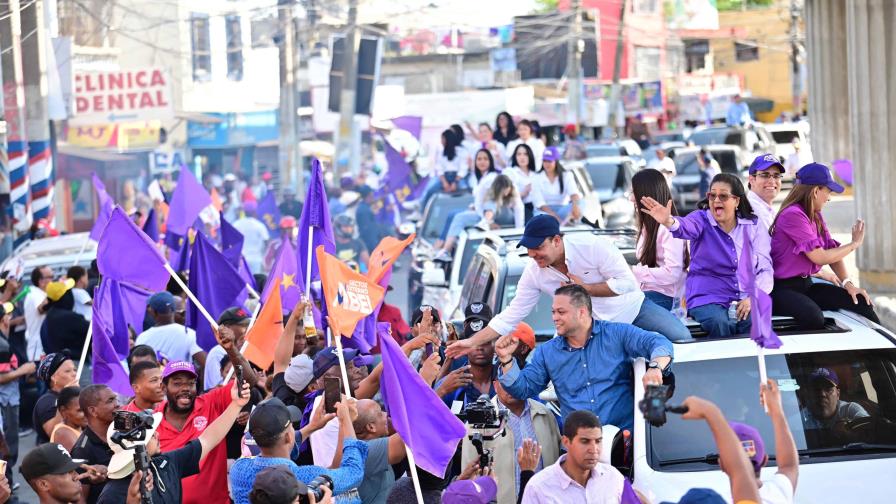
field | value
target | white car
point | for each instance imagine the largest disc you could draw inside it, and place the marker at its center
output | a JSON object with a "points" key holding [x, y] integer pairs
{"points": [[59, 253], [783, 134], [851, 461]]}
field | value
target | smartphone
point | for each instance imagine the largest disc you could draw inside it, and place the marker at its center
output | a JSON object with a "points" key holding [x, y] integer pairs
{"points": [[331, 394], [428, 350], [239, 380], [452, 332]]}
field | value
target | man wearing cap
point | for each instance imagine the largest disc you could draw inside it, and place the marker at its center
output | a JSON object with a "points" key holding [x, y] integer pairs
{"points": [[172, 469], [35, 309], [766, 173], [290, 205], [233, 323], [52, 473], [63, 329], [256, 236], [582, 259], [481, 490], [277, 485], [177, 342], [526, 335], [824, 409], [98, 402], [271, 426], [465, 384]]}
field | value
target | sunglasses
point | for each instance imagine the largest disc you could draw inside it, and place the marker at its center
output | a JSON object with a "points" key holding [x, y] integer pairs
{"points": [[723, 197]]}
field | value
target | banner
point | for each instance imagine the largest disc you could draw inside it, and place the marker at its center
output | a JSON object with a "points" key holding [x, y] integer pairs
{"points": [[350, 296], [140, 94]]}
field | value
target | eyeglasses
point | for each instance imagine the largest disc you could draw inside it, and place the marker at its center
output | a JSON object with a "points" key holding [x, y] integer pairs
{"points": [[723, 197], [766, 175]]}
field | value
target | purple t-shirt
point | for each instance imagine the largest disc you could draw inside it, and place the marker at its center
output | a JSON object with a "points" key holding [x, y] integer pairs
{"points": [[795, 235]]}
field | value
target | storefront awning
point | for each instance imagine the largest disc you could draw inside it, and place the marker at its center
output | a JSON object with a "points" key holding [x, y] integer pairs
{"points": [[92, 154]]}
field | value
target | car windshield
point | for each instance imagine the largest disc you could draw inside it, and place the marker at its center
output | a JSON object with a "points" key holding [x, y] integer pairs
{"points": [[716, 136], [784, 137], [602, 150], [606, 175], [540, 317], [838, 404], [438, 211], [686, 162]]}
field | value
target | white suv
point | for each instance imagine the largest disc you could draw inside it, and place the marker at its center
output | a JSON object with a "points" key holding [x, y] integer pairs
{"points": [[840, 461]]}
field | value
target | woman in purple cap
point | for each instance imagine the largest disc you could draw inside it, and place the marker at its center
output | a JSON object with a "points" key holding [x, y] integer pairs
{"points": [[558, 187], [801, 245]]}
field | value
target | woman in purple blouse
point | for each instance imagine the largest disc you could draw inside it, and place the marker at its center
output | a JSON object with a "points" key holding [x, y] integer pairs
{"points": [[717, 231], [801, 245]]}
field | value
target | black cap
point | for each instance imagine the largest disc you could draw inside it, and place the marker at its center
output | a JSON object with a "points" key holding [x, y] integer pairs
{"points": [[417, 316], [234, 316], [478, 310], [275, 485], [50, 458], [270, 418]]}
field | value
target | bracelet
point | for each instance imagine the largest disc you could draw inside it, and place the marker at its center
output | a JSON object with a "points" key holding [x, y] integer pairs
{"points": [[846, 281], [510, 360]]}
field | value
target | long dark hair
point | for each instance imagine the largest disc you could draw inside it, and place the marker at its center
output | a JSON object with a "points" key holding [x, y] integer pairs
{"points": [[558, 168], [744, 209], [651, 183], [450, 149], [458, 132], [491, 164], [529, 153], [801, 195], [511, 129]]}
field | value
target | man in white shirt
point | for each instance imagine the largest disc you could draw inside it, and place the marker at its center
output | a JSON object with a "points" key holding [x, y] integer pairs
{"points": [[176, 342], [800, 158], [577, 476], [665, 165], [765, 177], [255, 234], [35, 309], [585, 259]]}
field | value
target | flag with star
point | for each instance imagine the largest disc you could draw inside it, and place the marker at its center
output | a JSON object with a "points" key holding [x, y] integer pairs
{"points": [[286, 274]]}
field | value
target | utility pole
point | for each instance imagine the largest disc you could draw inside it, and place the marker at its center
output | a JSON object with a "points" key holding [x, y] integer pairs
{"points": [[348, 137], [37, 118], [617, 69], [795, 84], [574, 64], [289, 154], [15, 155]]}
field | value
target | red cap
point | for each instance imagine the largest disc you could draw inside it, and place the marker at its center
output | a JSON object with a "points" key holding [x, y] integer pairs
{"points": [[524, 333]]}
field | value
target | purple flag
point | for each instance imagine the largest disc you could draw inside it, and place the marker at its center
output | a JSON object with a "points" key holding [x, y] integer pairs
{"points": [[628, 494], [188, 200], [105, 203], [760, 302], [231, 243], [246, 273], [286, 269], [216, 284], [151, 226], [181, 261], [269, 214], [315, 214], [419, 416], [125, 254], [121, 305], [107, 367], [411, 124]]}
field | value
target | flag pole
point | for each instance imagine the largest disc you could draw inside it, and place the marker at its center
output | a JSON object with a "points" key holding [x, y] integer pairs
{"points": [[252, 292], [308, 265], [81, 252], [192, 296], [763, 375], [245, 343], [84, 350], [338, 339], [413, 469]]}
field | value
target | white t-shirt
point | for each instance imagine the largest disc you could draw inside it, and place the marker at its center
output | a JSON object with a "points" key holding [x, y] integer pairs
{"points": [[33, 321], [778, 490], [523, 180], [324, 441], [211, 375], [796, 161], [551, 192], [535, 144], [256, 237], [177, 342], [83, 303], [457, 165]]}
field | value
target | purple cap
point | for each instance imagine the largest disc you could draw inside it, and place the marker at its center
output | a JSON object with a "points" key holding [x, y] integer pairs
{"points": [[817, 174], [178, 367], [752, 443], [481, 490], [763, 162], [824, 374], [551, 154]]}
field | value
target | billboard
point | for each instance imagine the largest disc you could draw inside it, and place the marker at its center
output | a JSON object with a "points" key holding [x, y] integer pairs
{"points": [[121, 96]]}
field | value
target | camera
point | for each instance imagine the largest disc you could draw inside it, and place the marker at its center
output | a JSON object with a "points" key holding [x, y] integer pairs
{"points": [[482, 414], [133, 425], [315, 488], [654, 406], [485, 454]]}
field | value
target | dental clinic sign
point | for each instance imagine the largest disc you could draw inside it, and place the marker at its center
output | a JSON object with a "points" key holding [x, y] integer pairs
{"points": [[142, 94]]}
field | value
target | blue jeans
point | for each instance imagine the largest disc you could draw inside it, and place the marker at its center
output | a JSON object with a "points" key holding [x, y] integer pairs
{"points": [[653, 317], [714, 320], [461, 221], [662, 300]]}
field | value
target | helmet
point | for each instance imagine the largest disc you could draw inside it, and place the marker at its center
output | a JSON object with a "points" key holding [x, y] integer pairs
{"points": [[342, 221]]}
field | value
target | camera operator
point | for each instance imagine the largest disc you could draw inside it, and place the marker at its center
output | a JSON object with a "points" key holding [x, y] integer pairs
{"points": [[170, 467], [98, 402], [277, 485], [589, 363], [527, 420], [271, 426]]}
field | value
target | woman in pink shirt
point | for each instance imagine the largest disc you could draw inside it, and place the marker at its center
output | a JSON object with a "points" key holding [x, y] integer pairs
{"points": [[801, 245], [662, 258]]}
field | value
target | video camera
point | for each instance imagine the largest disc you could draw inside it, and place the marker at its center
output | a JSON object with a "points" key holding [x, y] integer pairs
{"points": [[654, 405], [130, 426], [315, 488], [483, 415]]}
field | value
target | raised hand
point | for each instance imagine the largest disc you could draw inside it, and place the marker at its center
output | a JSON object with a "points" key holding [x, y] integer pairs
{"points": [[505, 346], [661, 213], [858, 232], [528, 455]]}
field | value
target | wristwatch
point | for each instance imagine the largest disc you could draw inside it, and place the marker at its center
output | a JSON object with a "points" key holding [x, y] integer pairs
{"points": [[654, 365]]}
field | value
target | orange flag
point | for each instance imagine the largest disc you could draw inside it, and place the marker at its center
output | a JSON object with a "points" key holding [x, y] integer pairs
{"points": [[266, 331], [350, 296], [386, 253]]}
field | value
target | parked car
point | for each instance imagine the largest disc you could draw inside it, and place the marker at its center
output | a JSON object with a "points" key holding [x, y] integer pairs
{"points": [[611, 180], [686, 183], [783, 135], [752, 141], [848, 462], [615, 148], [58, 252]]}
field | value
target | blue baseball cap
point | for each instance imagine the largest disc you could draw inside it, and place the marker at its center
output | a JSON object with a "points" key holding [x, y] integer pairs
{"points": [[537, 229], [764, 162], [818, 174], [699, 496], [161, 302], [329, 357]]}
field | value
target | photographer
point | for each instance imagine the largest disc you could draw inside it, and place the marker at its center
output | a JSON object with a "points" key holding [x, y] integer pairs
{"points": [[589, 364], [170, 467], [277, 485], [271, 425], [465, 384]]}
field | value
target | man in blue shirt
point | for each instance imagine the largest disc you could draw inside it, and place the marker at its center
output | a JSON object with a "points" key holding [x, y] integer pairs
{"points": [[738, 113], [589, 363]]}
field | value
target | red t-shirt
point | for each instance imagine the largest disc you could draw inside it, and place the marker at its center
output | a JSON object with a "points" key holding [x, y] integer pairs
{"points": [[210, 485]]}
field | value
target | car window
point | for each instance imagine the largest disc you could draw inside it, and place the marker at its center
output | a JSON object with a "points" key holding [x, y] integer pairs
{"points": [[601, 150], [606, 175], [728, 161], [686, 163], [540, 317], [709, 136], [824, 418], [466, 294], [752, 139], [784, 137], [438, 211]]}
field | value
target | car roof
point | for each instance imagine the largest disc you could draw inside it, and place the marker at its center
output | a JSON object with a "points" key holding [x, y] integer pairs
{"points": [[854, 335], [609, 159]]}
